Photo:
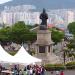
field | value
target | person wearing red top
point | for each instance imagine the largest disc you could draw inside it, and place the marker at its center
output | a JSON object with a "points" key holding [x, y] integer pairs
{"points": [[61, 73]]}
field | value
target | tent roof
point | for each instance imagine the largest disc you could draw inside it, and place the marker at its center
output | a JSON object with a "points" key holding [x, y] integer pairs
{"points": [[4, 56], [21, 57]]}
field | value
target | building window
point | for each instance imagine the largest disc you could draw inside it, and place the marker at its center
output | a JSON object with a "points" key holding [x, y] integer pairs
{"points": [[41, 49]]}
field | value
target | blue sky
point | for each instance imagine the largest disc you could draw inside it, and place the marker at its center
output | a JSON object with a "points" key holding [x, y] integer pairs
{"points": [[3, 1]]}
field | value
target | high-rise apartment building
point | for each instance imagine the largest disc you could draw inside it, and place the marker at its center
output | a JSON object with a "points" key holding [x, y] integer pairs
{"points": [[70, 15], [10, 18]]}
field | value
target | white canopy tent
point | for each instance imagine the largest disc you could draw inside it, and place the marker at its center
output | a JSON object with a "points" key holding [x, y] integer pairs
{"points": [[4, 56], [22, 57]]}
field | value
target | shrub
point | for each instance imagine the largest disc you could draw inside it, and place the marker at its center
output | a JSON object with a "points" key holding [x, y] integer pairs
{"points": [[50, 67], [59, 66], [70, 65]]}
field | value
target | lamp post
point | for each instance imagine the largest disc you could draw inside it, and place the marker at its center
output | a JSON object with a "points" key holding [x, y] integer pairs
{"points": [[64, 56], [64, 49]]}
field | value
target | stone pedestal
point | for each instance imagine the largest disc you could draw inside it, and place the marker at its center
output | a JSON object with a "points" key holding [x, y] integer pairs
{"points": [[44, 49]]}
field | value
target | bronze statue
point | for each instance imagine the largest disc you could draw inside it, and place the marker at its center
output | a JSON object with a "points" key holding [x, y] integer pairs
{"points": [[43, 17]]}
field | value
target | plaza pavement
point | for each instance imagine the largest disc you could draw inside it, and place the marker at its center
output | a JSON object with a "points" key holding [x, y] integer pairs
{"points": [[66, 72]]}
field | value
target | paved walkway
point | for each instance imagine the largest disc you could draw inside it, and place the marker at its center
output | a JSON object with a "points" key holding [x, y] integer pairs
{"points": [[65, 73]]}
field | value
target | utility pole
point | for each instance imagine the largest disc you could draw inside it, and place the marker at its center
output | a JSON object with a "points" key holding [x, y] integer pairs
{"points": [[64, 56]]}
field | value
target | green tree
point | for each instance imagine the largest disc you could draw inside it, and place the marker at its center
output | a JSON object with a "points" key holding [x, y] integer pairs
{"points": [[5, 35], [57, 35], [19, 31], [71, 44], [71, 48], [71, 27], [22, 34]]}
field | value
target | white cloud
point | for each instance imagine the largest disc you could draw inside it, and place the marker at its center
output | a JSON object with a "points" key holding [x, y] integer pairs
{"points": [[3, 1]]}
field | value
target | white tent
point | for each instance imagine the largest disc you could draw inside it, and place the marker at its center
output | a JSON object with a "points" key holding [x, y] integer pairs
{"points": [[23, 57], [4, 56]]}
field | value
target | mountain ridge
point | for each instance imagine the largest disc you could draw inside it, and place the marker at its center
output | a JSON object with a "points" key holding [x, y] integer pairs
{"points": [[40, 4]]}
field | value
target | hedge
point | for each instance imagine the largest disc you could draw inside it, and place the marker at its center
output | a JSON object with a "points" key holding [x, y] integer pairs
{"points": [[50, 67], [70, 65]]}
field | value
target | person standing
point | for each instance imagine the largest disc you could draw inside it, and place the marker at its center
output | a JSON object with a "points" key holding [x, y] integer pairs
{"points": [[25, 71], [31, 71], [0, 68], [61, 73], [42, 70], [38, 71], [20, 72], [57, 73]]}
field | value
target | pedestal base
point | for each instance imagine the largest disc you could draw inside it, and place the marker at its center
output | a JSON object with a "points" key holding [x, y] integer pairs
{"points": [[44, 48], [49, 59]]}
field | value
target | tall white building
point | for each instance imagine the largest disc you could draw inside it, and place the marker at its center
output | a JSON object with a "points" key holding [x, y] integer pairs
{"points": [[27, 14], [70, 15], [7, 18], [10, 18], [12, 14]]}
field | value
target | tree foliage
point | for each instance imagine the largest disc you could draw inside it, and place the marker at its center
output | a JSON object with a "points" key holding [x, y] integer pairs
{"points": [[71, 48], [57, 35], [18, 33], [71, 27], [5, 34]]}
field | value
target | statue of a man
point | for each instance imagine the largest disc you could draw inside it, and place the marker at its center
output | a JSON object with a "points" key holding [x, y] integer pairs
{"points": [[44, 17]]}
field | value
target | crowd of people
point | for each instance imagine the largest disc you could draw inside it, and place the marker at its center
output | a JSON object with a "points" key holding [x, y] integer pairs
{"points": [[30, 70]]}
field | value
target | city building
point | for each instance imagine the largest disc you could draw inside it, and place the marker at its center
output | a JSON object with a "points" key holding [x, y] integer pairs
{"points": [[29, 14], [70, 16], [31, 18]]}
